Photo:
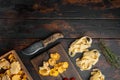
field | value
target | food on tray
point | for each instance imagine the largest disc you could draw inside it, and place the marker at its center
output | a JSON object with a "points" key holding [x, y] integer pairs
{"points": [[55, 56], [44, 71], [61, 67], [52, 62], [97, 75], [54, 72], [4, 64], [16, 77], [45, 64], [65, 64], [11, 58], [89, 58], [80, 45], [10, 68], [5, 77], [65, 78], [15, 67], [72, 78], [51, 67]]}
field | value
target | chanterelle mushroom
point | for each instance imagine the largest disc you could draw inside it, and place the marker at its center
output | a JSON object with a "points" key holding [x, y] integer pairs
{"points": [[15, 67], [4, 64]]}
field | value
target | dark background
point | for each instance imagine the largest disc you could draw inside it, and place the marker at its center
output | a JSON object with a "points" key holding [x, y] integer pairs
{"points": [[23, 22]]}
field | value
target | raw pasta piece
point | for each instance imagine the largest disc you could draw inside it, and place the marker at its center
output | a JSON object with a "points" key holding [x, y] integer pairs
{"points": [[80, 45], [89, 58], [97, 75]]}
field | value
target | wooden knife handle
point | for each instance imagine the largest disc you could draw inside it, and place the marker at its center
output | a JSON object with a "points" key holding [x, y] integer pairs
{"points": [[52, 38]]}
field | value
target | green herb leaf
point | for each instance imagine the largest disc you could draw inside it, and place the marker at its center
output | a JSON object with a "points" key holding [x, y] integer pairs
{"points": [[109, 55]]}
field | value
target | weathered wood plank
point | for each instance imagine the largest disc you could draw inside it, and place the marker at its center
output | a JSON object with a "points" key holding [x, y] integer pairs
{"points": [[16, 44], [38, 61], [59, 9], [19, 28]]}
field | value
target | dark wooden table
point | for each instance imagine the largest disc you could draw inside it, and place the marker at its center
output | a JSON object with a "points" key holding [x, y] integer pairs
{"points": [[23, 22]]}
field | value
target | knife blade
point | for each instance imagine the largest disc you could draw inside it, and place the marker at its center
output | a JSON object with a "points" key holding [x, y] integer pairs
{"points": [[37, 46]]}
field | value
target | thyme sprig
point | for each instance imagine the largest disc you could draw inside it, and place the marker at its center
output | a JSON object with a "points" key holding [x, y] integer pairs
{"points": [[109, 55]]}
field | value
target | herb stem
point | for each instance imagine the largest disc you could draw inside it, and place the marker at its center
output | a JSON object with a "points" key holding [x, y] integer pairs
{"points": [[109, 55]]}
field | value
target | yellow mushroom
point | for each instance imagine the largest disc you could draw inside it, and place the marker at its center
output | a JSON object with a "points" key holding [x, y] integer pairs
{"points": [[4, 64], [54, 73], [45, 64], [56, 68], [55, 56], [5, 77], [8, 72], [65, 65], [61, 69], [15, 67], [16, 77], [11, 58], [44, 71], [24, 77], [52, 62]]}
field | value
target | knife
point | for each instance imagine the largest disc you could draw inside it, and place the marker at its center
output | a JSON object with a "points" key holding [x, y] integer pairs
{"points": [[37, 46]]}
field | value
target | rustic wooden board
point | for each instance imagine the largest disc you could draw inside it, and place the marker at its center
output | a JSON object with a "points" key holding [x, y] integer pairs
{"points": [[70, 28], [86, 9], [70, 72]]}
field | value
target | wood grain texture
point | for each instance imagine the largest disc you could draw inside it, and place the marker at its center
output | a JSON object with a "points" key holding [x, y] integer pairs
{"points": [[23, 22], [107, 70], [14, 44], [60, 9], [20, 28]]}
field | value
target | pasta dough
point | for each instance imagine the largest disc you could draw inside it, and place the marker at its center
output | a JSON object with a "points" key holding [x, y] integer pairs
{"points": [[97, 75], [80, 45], [89, 58]]}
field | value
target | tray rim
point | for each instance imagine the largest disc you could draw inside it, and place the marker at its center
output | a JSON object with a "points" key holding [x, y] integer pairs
{"points": [[19, 60]]}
